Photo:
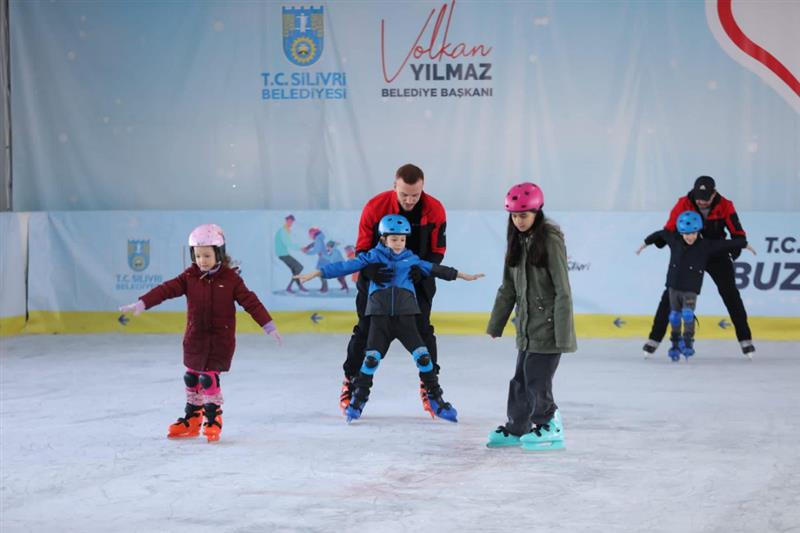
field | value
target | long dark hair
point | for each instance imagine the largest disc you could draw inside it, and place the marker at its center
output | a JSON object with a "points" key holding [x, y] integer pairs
{"points": [[537, 250]]}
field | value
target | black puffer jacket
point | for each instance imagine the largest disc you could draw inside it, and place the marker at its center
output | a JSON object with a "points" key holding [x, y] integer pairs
{"points": [[688, 263]]}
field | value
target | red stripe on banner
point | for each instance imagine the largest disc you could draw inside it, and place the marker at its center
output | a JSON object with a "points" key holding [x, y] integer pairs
{"points": [[725, 12]]}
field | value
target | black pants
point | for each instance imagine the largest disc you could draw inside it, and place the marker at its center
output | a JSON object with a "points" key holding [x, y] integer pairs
{"points": [[384, 329], [721, 272], [358, 341], [530, 392]]}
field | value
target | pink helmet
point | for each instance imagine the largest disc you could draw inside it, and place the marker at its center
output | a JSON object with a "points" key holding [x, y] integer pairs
{"points": [[207, 235], [524, 196]]}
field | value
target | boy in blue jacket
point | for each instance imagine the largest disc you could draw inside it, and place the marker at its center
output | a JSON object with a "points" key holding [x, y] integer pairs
{"points": [[391, 307]]}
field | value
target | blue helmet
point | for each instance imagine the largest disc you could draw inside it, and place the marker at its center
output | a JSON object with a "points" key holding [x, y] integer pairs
{"points": [[394, 225], [689, 222]]}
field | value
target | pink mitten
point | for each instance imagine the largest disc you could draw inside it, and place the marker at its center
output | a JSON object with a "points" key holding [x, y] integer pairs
{"points": [[134, 308], [271, 330]]}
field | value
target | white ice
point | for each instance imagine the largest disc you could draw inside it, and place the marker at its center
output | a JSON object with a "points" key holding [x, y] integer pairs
{"points": [[652, 446]]}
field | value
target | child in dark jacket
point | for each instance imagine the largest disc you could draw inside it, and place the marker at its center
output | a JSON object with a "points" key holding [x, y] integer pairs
{"points": [[689, 254], [211, 288], [391, 307]]}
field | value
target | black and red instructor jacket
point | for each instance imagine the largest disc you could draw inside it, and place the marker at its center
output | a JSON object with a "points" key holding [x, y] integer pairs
{"points": [[722, 216], [432, 225]]}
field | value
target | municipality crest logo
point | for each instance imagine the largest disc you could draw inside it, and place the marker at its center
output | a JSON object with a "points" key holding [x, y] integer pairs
{"points": [[138, 254], [303, 32]]}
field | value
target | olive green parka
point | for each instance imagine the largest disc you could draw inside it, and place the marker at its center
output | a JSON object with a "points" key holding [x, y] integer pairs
{"points": [[542, 298]]}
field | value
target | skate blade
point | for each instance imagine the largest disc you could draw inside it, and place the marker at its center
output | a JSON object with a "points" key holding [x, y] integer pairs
{"points": [[503, 444], [543, 446], [452, 419], [178, 437]]}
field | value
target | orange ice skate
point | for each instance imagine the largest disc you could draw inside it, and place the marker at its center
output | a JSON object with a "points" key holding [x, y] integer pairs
{"points": [[213, 425], [189, 425]]}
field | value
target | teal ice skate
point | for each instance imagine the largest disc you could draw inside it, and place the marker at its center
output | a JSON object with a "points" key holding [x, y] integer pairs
{"points": [[501, 438], [557, 422], [548, 436]]}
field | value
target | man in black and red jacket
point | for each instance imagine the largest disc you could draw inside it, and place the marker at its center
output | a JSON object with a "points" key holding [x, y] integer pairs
{"points": [[719, 216], [428, 227]]}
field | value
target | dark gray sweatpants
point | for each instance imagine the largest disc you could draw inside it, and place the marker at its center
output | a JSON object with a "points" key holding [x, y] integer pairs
{"points": [[678, 301], [530, 392]]}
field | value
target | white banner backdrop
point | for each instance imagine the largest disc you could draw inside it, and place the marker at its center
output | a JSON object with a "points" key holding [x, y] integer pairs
{"points": [[96, 261], [611, 106], [13, 260]]}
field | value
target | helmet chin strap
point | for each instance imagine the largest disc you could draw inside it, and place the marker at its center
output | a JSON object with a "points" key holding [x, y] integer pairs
{"points": [[214, 270]]}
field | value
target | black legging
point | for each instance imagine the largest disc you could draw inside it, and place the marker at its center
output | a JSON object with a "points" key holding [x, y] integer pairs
{"points": [[720, 269], [358, 341]]}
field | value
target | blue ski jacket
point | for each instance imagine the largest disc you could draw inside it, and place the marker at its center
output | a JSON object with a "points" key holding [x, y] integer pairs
{"points": [[397, 297]]}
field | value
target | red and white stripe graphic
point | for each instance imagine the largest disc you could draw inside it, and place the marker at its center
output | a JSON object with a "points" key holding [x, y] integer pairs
{"points": [[764, 37]]}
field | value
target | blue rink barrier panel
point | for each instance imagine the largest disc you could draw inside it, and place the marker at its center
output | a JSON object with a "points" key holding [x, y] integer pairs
{"points": [[81, 266]]}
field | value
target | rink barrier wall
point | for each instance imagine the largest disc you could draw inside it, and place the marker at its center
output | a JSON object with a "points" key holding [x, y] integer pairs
{"points": [[13, 272], [12, 325], [84, 265], [586, 325]]}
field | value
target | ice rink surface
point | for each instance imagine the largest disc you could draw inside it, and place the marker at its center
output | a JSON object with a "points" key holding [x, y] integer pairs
{"points": [[709, 446]]}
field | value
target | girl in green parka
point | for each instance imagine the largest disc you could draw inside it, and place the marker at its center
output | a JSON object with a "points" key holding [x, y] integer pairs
{"points": [[536, 282]]}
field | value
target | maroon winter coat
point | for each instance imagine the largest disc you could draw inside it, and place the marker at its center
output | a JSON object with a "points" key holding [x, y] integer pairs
{"points": [[210, 336]]}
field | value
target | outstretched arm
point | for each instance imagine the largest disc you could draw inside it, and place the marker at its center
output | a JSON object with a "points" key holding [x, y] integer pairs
{"points": [[729, 246], [442, 272], [250, 302], [169, 289], [470, 277]]}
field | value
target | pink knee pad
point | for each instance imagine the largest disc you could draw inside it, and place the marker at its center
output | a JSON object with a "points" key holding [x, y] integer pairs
{"points": [[194, 392], [212, 393]]}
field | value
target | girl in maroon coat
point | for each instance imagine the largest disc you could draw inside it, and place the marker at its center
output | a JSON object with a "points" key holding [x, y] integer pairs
{"points": [[211, 288]]}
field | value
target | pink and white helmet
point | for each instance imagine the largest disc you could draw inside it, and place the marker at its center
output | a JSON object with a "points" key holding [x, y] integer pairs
{"points": [[208, 235], [524, 196]]}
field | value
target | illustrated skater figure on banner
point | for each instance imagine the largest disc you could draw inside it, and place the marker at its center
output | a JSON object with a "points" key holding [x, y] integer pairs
{"points": [[719, 215], [536, 283], [212, 289], [392, 307], [317, 247], [690, 255], [333, 255], [283, 247], [350, 253], [427, 240]]}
